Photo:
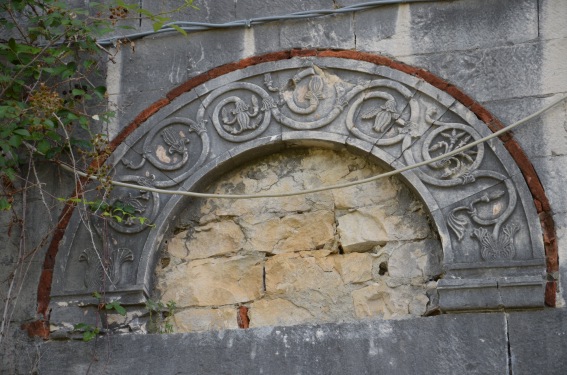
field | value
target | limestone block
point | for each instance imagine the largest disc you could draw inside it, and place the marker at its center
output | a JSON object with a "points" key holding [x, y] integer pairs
{"points": [[286, 273], [364, 195], [277, 312], [420, 259], [399, 225], [488, 73], [474, 24], [311, 283], [355, 267], [191, 320], [213, 239], [306, 231], [388, 303], [213, 282], [360, 231], [176, 246]]}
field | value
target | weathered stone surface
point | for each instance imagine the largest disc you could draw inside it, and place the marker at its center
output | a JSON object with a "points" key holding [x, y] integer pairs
{"points": [[213, 239], [329, 31], [361, 231], [307, 231], [552, 172], [365, 194], [537, 341], [448, 26], [306, 279], [467, 343], [553, 70], [213, 282], [380, 300], [487, 74], [194, 320], [277, 312], [418, 260], [550, 128], [354, 268], [553, 13], [366, 227]]}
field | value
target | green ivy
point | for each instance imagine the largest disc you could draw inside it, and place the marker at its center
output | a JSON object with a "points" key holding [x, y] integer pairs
{"points": [[46, 92]]}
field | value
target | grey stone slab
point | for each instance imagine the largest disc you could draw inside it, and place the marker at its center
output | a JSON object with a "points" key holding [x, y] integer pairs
{"points": [[491, 293], [470, 24], [336, 31], [538, 341], [378, 30], [246, 9], [211, 11], [165, 61], [489, 74], [553, 174], [18, 353], [550, 129], [552, 19], [472, 344]]}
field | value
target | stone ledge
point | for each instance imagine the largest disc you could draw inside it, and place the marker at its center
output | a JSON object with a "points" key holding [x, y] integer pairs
{"points": [[446, 344]]}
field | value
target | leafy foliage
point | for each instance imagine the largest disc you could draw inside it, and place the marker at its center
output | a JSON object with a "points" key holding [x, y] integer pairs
{"points": [[161, 315], [49, 63]]}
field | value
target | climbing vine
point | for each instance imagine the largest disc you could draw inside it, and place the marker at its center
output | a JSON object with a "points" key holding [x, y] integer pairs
{"points": [[54, 108]]}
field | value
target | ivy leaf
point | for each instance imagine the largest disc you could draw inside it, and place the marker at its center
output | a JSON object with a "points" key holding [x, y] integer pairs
{"points": [[43, 146], [22, 132], [4, 204], [179, 29]]}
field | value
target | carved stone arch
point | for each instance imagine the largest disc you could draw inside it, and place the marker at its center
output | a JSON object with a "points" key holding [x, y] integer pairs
{"points": [[479, 201]]}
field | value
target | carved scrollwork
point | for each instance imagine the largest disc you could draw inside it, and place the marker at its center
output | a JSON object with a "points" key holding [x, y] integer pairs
{"points": [[142, 205], [167, 148], [495, 245], [311, 99], [377, 117], [236, 119], [446, 139], [104, 272]]}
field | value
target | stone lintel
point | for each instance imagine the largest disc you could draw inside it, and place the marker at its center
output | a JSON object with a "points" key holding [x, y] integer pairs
{"points": [[460, 295]]}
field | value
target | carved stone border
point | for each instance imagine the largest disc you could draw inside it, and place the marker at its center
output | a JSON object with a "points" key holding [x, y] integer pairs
{"points": [[463, 286]]}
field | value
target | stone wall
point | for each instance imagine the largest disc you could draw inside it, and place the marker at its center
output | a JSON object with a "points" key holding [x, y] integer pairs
{"points": [[335, 256]]}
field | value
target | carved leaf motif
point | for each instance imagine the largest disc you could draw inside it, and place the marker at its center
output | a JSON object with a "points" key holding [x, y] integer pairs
{"points": [[268, 103], [243, 120], [315, 92], [382, 120], [176, 145], [458, 224], [383, 116], [224, 114], [99, 269], [500, 248]]}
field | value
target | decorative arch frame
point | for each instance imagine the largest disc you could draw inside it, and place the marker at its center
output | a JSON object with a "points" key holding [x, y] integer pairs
{"points": [[487, 205]]}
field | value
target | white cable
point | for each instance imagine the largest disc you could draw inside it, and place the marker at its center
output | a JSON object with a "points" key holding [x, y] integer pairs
{"points": [[324, 188]]}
